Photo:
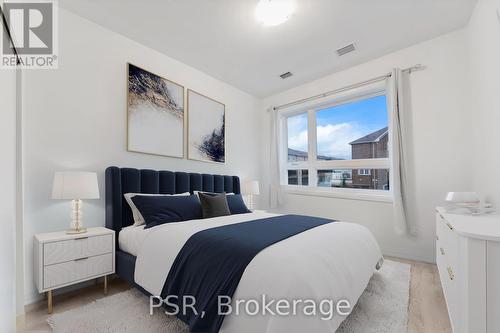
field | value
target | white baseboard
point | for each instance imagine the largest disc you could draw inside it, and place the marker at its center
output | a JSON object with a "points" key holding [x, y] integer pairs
{"points": [[398, 254]]}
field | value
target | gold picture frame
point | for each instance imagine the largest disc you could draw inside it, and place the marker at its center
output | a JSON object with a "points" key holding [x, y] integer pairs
{"points": [[211, 155], [161, 112]]}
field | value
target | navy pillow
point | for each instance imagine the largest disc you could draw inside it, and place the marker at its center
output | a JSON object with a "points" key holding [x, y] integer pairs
{"points": [[165, 209], [236, 204]]}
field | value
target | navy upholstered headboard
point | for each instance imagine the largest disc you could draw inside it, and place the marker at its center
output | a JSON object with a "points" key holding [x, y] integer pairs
{"points": [[127, 180]]}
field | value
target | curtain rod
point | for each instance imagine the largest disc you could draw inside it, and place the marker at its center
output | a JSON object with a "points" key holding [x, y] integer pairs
{"points": [[411, 69]]}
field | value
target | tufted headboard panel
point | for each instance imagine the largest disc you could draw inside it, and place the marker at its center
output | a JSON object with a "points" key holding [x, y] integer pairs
{"points": [[127, 180]]}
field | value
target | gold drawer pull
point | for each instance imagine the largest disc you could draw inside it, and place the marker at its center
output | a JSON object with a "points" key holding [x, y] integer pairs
{"points": [[450, 273], [81, 258], [442, 251]]}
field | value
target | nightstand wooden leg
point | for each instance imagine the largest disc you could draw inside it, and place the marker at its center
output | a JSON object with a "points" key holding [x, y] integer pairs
{"points": [[49, 301], [105, 284]]}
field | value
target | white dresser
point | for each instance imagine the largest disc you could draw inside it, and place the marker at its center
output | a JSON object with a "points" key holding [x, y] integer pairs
{"points": [[61, 259], [468, 260]]}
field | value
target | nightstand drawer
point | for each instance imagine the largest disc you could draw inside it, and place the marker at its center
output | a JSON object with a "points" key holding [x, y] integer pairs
{"points": [[99, 245], [75, 270], [67, 250]]}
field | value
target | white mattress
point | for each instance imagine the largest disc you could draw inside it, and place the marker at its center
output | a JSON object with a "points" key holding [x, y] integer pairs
{"points": [[130, 238]]}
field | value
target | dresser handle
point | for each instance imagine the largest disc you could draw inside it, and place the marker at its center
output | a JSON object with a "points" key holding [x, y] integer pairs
{"points": [[449, 225], [81, 258], [442, 251], [450, 273], [80, 238]]}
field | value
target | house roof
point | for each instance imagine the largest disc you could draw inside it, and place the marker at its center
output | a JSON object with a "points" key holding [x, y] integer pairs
{"points": [[301, 153], [295, 152], [372, 137]]}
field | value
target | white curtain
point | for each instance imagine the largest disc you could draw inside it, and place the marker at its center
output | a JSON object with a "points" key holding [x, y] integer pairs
{"points": [[274, 195], [398, 153]]}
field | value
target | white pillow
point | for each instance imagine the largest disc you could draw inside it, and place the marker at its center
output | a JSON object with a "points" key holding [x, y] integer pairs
{"points": [[138, 219]]}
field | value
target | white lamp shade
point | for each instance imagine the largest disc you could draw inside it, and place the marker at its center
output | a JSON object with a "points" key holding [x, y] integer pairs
{"points": [[250, 187], [462, 197], [75, 185]]}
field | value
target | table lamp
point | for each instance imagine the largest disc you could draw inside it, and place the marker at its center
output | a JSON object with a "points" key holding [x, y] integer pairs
{"points": [[250, 188], [75, 186]]}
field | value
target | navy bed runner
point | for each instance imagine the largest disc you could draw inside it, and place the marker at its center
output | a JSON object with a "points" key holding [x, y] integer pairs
{"points": [[212, 262]]}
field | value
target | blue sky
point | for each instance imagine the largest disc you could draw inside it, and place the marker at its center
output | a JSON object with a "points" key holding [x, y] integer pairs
{"points": [[339, 125]]}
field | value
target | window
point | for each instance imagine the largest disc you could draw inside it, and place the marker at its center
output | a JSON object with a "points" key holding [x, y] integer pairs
{"points": [[338, 144], [298, 177], [297, 138], [364, 172]]}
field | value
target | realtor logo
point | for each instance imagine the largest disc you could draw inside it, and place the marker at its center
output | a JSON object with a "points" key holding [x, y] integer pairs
{"points": [[30, 34]]}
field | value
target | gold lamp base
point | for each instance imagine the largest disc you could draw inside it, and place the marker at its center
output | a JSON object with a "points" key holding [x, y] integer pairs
{"points": [[76, 231]]}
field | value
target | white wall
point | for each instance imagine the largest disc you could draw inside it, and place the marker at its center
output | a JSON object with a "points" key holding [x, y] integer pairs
{"points": [[19, 200], [8, 199], [75, 118], [483, 37], [439, 147]]}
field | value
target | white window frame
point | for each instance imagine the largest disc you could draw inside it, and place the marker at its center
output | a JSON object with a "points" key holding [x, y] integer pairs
{"points": [[312, 164]]}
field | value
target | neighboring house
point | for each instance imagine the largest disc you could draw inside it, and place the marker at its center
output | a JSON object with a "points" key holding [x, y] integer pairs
{"points": [[296, 155], [373, 145], [335, 178], [299, 155], [301, 177]]}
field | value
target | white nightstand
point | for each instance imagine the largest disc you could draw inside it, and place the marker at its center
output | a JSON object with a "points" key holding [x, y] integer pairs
{"points": [[61, 260]]}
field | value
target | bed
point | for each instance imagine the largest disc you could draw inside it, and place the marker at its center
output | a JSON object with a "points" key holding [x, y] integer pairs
{"points": [[331, 261]]}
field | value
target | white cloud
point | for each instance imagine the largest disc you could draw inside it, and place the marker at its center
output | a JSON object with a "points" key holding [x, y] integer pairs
{"points": [[298, 141], [297, 123], [333, 140], [297, 132]]}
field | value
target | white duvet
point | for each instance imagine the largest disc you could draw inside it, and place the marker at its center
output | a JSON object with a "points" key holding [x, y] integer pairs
{"points": [[334, 261]]}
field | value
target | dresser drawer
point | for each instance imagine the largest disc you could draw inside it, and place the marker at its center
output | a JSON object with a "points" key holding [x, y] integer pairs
{"points": [[67, 250], [76, 270], [447, 253], [447, 243]]}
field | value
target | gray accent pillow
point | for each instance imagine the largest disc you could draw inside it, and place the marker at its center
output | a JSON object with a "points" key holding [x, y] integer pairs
{"points": [[214, 205]]}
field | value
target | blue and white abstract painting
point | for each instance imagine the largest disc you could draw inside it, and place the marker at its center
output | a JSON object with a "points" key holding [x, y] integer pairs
{"points": [[155, 114], [206, 128]]}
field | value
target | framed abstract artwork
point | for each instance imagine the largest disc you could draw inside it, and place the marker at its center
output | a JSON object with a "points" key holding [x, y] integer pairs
{"points": [[155, 113], [206, 128]]}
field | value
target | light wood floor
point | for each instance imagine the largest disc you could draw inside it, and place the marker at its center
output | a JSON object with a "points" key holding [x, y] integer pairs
{"points": [[427, 309]]}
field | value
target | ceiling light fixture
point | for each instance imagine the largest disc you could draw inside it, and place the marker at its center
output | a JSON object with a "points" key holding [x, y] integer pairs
{"points": [[274, 12]]}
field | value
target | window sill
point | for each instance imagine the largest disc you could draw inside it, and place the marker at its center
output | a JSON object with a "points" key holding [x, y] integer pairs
{"points": [[348, 194]]}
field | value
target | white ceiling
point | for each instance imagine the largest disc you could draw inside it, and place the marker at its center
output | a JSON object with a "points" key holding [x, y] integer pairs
{"points": [[223, 39]]}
